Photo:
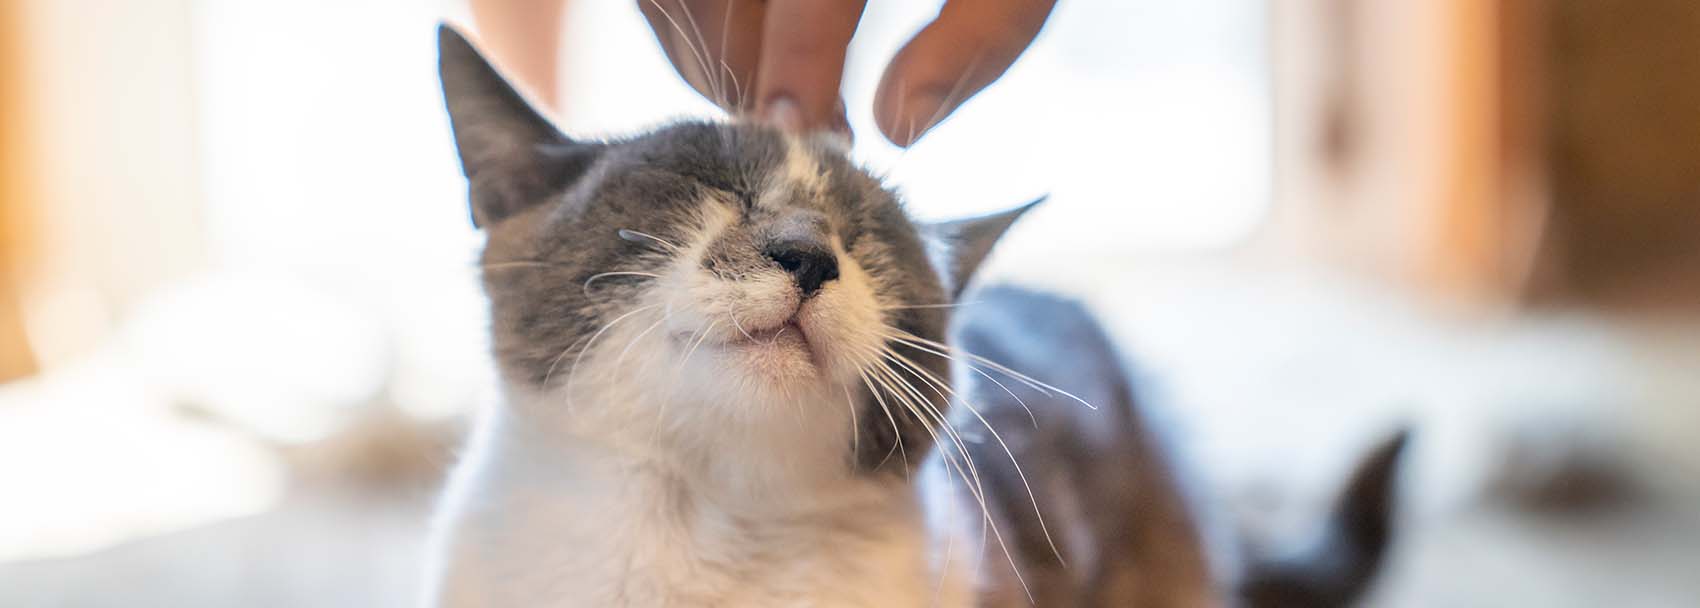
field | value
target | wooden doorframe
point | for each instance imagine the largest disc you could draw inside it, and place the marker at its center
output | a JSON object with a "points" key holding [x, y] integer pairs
{"points": [[16, 192], [1491, 219]]}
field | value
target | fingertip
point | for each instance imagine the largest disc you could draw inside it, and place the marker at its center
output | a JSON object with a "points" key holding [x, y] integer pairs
{"points": [[903, 116], [802, 62], [782, 112], [964, 50]]}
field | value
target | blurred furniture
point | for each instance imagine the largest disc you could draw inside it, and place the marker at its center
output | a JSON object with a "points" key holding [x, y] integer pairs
{"points": [[1510, 151], [1623, 83]]}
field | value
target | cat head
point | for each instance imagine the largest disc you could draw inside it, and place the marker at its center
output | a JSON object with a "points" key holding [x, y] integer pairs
{"points": [[759, 285]]}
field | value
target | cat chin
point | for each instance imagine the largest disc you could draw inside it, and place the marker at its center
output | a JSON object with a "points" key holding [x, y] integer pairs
{"points": [[788, 348], [783, 356], [771, 361]]}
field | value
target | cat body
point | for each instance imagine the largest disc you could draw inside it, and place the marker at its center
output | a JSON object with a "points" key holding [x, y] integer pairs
{"points": [[1111, 525], [728, 379]]}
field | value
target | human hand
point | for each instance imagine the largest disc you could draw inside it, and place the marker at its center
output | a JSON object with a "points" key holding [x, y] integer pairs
{"points": [[783, 60]]}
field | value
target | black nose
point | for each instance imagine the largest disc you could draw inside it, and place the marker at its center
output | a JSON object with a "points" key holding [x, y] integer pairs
{"points": [[811, 264]]}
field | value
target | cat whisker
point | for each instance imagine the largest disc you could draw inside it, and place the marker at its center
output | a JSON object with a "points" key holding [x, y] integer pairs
{"points": [[866, 365], [518, 264], [950, 98], [637, 338], [901, 400], [1022, 402], [661, 411], [713, 77], [1018, 400], [796, 408], [585, 349], [963, 400], [702, 63], [725, 34], [910, 137], [902, 87], [741, 329], [921, 408], [895, 447], [923, 306], [698, 344], [934, 384], [617, 273], [737, 88], [855, 427], [949, 545], [970, 366], [633, 235], [954, 96], [923, 345], [896, 431]]}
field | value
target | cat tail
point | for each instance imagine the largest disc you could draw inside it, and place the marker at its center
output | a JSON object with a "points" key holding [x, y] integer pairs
{"points": [[1338, 568]]}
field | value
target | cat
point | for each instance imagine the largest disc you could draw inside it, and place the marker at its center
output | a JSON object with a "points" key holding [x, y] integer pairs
{"points": [[727, 380], [1116, 526]]}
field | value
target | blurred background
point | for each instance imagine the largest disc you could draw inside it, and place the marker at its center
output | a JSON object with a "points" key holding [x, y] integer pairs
{"points": [[240, 331]]}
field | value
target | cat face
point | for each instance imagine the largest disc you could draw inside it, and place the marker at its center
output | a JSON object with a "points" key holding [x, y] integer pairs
{"points": [[769, 259], [758, 283]]}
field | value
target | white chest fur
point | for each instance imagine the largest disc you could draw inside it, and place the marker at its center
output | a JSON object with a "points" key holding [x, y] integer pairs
{"points": [[528, 522]]}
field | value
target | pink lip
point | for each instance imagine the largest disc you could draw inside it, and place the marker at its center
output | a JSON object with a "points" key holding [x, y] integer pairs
{"points": [[770, 334], [791, 329]]}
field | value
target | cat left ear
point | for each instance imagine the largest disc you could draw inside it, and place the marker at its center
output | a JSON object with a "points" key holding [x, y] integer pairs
{"points": [[967, 242], [512, 156]]}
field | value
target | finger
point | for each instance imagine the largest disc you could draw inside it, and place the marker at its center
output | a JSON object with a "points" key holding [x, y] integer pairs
{"points": [[525, 39], [802, 61], [969, 46], [713, 44], [840, 119]]}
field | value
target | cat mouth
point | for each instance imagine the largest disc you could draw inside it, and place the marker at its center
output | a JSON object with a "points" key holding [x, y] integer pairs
{"points": [[771, 335], [765, 346], [787, 335]]}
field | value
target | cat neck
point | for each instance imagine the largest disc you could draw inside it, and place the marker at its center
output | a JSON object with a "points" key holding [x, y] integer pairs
{"points": [[687, 489], [778, 456], [621, 524]]}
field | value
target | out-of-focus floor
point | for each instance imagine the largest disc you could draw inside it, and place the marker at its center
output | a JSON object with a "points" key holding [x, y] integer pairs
{"points": [[335, 550], [1273, 381]]}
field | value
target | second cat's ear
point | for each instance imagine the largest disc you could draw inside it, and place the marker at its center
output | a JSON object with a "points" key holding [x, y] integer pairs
{"points": [[964, 244], [512, 156]]}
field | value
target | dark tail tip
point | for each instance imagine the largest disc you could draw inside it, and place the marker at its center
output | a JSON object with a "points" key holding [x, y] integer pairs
{"points": [[1338, 569]]}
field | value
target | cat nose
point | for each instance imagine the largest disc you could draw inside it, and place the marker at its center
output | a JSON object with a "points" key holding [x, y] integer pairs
{"points": [[810, 263]]}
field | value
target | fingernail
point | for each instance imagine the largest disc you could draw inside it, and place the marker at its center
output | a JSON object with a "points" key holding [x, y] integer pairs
{"points": [[784, 113]]}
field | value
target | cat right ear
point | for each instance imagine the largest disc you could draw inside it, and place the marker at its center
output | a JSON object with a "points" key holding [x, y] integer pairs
{"points": [[512, 156], [961, 245]]}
